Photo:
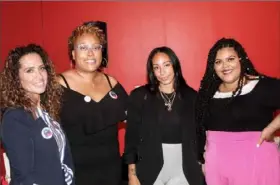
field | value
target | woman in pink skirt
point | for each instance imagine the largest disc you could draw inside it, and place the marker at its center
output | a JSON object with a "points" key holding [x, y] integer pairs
{"points": [[235, 113]]}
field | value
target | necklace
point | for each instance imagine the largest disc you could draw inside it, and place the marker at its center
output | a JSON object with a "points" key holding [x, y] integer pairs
{"points": [[168, 101]]}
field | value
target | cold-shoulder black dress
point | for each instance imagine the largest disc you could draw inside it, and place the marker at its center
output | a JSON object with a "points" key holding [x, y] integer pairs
{"points": [[92, 130]]}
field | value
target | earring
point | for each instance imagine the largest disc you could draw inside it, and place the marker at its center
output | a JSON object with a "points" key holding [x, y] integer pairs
{"points": [[104, 62]]}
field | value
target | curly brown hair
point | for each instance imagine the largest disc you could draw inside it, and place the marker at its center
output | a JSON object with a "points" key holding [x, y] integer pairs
{"points": [[83, 29], [14, 96]]}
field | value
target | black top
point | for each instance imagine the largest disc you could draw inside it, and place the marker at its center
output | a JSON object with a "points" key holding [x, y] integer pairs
{"points": [[252, 111], [92, 130], [144, 136], [34, 158], [170, 123]]}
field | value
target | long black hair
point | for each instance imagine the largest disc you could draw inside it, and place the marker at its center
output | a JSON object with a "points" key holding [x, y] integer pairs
{"points": [[210, 81], [153, 83]]}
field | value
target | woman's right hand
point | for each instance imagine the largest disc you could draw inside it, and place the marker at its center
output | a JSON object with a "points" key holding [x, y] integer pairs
{"points": [[132, 176], [203, 169], [133, 180]]}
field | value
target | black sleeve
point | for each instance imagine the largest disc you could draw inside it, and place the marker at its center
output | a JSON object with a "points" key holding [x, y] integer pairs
{"points": [[271, 92], [200, 134], [19, 147], [124, 102], [200, 144], [135, 101]]}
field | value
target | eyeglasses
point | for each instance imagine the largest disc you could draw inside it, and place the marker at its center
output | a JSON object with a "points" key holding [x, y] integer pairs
{"points": [[86, 48]]}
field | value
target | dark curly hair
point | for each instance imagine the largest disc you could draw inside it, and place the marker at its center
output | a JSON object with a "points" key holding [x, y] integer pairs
{"points": [[14, 96], [152, 80], [211, 82]]}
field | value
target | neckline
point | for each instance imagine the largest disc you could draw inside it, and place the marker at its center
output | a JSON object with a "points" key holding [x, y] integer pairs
{"points": [[247, 89], [167, 94], [91, 99]]}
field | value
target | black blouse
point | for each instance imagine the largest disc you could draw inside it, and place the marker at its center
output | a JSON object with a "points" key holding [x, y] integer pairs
{"points": [[170, 122], [252, 111]]}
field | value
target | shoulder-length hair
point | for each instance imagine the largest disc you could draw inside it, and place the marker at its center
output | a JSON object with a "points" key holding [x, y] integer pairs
{"points": [[12, 93], [153, 83]]}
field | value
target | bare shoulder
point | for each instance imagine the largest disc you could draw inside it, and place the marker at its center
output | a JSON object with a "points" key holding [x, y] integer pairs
{"points": [[60, 80], [112, 80], [68, 75]]}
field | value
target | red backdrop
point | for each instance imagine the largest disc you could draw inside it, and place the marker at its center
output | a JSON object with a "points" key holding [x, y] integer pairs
{"points": [[134, 28]]}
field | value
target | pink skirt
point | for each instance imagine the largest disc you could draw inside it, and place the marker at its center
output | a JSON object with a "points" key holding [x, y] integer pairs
{"points": [[232, 158]]}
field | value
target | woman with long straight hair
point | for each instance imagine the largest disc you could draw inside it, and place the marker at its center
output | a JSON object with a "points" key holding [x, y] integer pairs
{"points": [[160, 135]]}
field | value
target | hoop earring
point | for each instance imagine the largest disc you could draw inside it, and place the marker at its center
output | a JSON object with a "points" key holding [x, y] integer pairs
{"points": [[104, 62]]}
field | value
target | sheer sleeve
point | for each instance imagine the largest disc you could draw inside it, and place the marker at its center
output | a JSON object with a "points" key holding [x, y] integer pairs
{"points": [[135, 102]]}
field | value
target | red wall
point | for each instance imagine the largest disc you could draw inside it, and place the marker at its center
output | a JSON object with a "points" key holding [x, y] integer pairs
{"points": [[134, 28]]}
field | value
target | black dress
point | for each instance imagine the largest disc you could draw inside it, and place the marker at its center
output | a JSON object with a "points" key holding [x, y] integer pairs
{"points": [[92, 130]]}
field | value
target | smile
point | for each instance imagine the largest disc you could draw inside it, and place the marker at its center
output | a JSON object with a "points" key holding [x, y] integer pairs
{"points": [[91, 61], [227, 71], [164, 79], [39, 84]]}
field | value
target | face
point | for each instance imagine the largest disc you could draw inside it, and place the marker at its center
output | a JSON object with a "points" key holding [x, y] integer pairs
{"points": [[87, 53], [227, 65], [33, 75], [163, 69]]}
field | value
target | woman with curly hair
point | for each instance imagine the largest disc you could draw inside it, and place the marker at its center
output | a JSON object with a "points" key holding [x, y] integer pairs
{"points": [[32, 138], [93, 105], [235, 110]]}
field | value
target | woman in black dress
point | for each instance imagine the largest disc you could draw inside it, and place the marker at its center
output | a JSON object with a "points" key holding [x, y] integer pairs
{"points": [[93, 104]]}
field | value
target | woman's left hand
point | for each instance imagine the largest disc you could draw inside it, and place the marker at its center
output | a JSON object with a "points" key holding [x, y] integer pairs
{"points": [[266, 135]]}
